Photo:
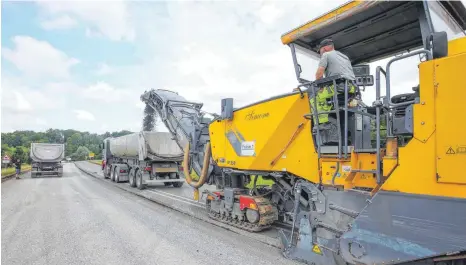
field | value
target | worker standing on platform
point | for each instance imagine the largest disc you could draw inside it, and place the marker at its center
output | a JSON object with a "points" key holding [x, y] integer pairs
{"points": [[332, 62]]}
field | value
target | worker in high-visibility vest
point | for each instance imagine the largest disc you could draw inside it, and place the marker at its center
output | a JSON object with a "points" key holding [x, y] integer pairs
{"points": [[332, 62]]}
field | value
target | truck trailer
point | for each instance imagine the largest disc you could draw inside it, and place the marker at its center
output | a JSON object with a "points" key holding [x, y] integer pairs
{"points": [[47, 159], [143, 158]]}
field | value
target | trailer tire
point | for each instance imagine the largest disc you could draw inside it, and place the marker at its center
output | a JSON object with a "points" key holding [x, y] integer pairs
{"points": [[117, 174], [177, 184], [112, 177], [139, 180], [107, 171], [131, 176]]}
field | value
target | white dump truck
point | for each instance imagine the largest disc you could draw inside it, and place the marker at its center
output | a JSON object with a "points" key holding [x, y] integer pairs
{"points": [[46, 159], [143, 158]]}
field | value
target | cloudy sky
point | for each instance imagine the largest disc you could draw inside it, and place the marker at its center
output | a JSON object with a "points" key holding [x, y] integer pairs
{"points": [[83, 65]]}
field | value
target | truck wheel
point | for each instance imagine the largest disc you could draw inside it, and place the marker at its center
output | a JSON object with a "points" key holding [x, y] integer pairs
{"points": [[131, 175], [117, 174], [107, 171], [112, 177], [178, 184], [139, 180], [167, 184]]}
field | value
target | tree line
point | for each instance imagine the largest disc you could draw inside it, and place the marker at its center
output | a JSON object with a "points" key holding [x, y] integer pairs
{"points": [[78, 144]]}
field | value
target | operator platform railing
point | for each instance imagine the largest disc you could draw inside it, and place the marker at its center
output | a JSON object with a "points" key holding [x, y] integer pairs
{"points": [[387, 103], [323, 83], [342, 152]]}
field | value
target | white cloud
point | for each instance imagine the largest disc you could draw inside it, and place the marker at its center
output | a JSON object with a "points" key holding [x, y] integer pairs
{"points": [[104, 69], [140, 105], [22, 121], [84, 115], [41, 121], [269, 13], [110, 19], [61, 22], [19, 98], [239, 54], [104, 92], [21, 103], [38, 58], [91, 33], [103, 128]]}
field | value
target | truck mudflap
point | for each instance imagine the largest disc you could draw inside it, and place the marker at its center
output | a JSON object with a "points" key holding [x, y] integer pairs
{"points": [[399, 227]]}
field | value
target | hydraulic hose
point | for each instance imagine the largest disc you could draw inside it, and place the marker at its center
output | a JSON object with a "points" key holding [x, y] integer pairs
{"points": [[336, 173], [205, 167]]}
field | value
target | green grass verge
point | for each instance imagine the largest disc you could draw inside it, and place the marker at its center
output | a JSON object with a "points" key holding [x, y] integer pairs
{"points": [[97, 162], [11, 170]]}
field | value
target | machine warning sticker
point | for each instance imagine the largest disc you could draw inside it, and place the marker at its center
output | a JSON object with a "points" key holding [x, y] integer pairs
{"points": [[316, 250], [248, 148], [346, 168], [450, 151]]}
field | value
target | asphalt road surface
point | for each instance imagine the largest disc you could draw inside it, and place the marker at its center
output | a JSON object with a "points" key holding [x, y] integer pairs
{"points": [[78, 219]]}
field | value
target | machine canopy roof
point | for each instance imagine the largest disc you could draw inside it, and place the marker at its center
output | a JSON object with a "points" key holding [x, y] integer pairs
{"points": [[369, 30]]}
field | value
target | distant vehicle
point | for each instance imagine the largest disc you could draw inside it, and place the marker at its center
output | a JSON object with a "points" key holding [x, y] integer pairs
{"points": [[143, 158], [47, 159]]}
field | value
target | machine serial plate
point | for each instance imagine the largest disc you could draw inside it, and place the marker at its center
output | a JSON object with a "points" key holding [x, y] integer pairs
{"points": [[248, 148]]}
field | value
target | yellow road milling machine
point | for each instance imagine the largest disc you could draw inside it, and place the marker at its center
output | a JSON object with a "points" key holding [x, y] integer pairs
{"points": [[379, 184]]}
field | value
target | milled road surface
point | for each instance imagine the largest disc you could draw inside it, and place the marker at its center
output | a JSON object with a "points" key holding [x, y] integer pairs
{"points": [[78, 219]]}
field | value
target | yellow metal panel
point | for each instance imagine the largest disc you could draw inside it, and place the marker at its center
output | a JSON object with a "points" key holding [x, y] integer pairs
{"points": [[457, 46], [333, 15], [451, 118], [217, 140], [424, 112], [416, 171], [389, 164], [283, 142], [280, 133], [358, 162]]}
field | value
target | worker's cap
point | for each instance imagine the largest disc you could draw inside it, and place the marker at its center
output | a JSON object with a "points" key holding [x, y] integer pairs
{"points": [[325, 42]]}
